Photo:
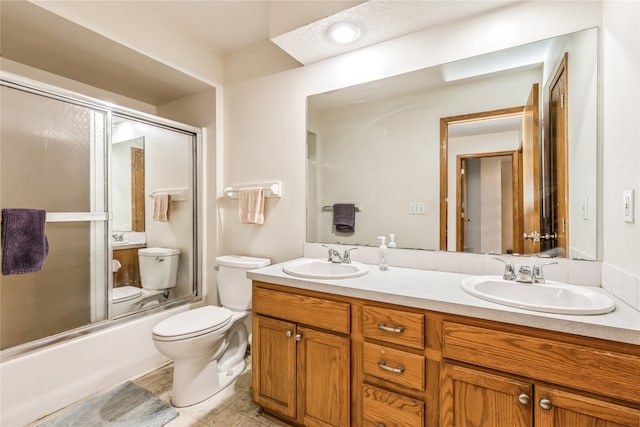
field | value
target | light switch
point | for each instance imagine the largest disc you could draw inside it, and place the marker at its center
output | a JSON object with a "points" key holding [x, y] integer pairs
{"points": [[416, 208], [627, 205]]}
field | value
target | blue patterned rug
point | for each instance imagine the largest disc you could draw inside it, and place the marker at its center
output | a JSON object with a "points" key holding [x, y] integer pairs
{"points": [[125, 406]]}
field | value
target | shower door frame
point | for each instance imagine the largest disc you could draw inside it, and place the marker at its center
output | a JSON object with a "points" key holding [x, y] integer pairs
{"points": [[42, 89]]}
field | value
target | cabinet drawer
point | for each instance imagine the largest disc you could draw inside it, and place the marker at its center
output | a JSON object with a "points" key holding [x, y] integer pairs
{"points": [[382, 407], [393, 365], [318, 312], [394, 326], [591, 369]]}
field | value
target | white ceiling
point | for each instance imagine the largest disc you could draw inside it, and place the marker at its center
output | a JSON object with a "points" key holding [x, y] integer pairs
{"points": [[31, 35]]}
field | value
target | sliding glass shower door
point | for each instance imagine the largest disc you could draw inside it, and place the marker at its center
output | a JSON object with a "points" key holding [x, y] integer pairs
{"points": [[53, 157]]}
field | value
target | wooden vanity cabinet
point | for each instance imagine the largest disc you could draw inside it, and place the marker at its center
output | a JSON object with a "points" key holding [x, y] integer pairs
{"points": [[301, 357], [129, 272], [588, 381], [393, 359], [330, 360]]}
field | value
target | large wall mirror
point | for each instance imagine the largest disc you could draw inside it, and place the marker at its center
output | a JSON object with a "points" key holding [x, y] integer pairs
{"points": [[491, 154]]}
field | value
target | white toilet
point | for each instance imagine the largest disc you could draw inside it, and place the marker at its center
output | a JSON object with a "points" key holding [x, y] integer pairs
{"points": [[158, 272], [208, 344]]}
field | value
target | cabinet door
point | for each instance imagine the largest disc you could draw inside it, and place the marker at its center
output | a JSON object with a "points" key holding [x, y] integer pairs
{"points": [[274, 365], [324, 378], [474, 398], [557, 408]]}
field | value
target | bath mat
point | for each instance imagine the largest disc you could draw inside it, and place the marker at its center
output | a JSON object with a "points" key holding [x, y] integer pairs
{"points": [[125, 406]]}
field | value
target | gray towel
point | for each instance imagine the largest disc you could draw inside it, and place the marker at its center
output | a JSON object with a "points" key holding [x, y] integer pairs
{"points": [[344, 217], [24, 244]]}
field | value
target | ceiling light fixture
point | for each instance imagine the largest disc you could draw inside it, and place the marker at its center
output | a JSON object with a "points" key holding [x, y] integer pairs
{"points": [[343, 33]]}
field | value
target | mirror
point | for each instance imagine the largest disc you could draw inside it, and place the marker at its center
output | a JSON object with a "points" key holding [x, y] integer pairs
{"points": [[395, 148], [128, 185]]}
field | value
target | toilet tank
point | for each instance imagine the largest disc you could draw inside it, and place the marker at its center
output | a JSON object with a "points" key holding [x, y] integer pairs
{"points": [[233, 286], [158, 267]]}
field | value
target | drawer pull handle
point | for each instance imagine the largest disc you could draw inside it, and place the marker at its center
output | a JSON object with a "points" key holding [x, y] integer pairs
{"points": [[386, 367], [380, 425], [397, 329]]}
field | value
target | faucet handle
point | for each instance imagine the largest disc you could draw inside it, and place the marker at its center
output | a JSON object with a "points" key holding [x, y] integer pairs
{"points": [[346, 258], [537, 274], [509, 270]]}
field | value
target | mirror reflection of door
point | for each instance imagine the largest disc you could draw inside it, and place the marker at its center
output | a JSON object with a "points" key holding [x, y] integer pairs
{"points": [[137, 189], [485, 206], [531, 172], [556, 209]]}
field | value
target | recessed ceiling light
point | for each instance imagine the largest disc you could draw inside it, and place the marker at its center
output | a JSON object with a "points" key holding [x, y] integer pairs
{"points": [[343, 32]]}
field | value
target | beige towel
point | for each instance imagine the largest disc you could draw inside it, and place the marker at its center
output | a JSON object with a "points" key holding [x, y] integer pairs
{"points": [[161, 207], [251, 205]]}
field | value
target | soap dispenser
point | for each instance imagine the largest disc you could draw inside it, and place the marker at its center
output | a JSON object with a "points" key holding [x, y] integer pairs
{"points": [[392, 240], [382, 264]]}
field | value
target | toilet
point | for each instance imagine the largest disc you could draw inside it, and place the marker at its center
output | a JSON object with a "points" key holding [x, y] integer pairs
{"points": [[208, 344], [158, 272]]}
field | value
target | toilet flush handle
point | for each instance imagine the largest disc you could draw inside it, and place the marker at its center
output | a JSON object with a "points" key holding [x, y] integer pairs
{"points": [[216, 267], [158, 259]]}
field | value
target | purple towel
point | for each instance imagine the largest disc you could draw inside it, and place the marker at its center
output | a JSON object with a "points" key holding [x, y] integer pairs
{"points": [[344, 217], [24, 244]]}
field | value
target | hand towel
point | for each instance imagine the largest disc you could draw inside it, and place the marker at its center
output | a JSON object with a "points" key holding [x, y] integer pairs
{"points": [[24, 244], [251, 205], [344, 217], [161, 207]]}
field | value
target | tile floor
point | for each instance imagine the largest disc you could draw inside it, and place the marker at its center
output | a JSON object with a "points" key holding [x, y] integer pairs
{"points": [[232, 407]]}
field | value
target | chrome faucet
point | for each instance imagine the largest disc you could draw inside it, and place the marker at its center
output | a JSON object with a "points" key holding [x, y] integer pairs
{"points": [[509, 270], [334, 256], [524, 274], [118, 237], [536, 273], [346, 258]]}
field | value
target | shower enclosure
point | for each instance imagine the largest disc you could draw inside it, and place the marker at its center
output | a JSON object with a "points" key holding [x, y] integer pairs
{"points": [[58, 153]]}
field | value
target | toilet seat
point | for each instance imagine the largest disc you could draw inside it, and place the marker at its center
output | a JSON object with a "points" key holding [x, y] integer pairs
{"points": [[192, 323], [126, 293]]}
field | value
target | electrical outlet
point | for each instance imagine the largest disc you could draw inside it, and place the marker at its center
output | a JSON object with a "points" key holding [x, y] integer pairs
{"points": [[627, 205], [416, 208]]}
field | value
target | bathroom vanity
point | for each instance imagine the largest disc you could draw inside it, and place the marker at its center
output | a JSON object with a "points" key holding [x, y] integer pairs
{"points": [[408, 348]]}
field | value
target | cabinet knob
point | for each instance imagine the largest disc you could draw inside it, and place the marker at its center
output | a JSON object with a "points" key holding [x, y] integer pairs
{"points": [[380, 425], [298, 337], [523, 398], [545, 404], [289, 333]]}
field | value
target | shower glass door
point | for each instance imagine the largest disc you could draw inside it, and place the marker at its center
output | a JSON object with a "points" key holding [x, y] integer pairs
{"points": [[53, 157]]}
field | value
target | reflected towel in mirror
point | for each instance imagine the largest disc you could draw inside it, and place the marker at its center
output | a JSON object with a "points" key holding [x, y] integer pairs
{"points": [[344, 217], [161, 207], [24, 244], [251, 205]]}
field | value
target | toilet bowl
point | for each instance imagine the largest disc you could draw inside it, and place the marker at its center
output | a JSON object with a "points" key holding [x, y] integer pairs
{"points": [[208, 344], [158, 273]]}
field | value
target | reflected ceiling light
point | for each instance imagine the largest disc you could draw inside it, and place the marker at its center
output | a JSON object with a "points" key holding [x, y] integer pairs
{"points": [[343, 32]]}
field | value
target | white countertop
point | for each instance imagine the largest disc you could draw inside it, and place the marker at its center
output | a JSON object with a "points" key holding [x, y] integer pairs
{"points": [[440, 291]]}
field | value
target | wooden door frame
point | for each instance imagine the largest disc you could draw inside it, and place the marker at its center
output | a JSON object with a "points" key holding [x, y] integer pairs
{"points": [[515, 190], [444, 155]]}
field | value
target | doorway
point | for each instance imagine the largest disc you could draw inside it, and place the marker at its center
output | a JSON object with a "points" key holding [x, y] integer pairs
{"points": [[486, 190]]}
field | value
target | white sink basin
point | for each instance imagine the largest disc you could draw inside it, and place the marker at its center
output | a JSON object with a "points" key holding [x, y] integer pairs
{"points": [[322, 269], [551, 297]]}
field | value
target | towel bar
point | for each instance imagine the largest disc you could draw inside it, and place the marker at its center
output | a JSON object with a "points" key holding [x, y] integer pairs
{"points": [[328, 208], [177, 194], [272, 189]]}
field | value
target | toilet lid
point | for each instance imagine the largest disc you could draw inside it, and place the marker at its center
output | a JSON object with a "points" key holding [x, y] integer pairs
{"points": [[192, 323], [126, 293]]}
